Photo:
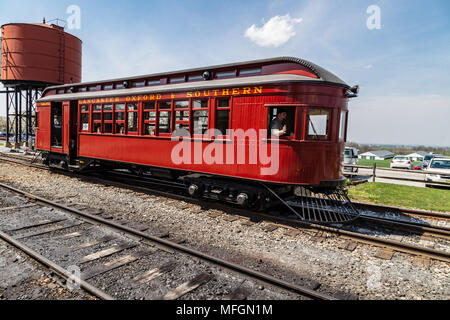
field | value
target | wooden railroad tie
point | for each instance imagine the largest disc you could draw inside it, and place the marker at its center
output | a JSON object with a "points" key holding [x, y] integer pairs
{"points": [[384, 253]]}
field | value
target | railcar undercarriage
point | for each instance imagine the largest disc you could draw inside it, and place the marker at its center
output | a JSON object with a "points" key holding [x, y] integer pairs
{"points": [[312, 204]]}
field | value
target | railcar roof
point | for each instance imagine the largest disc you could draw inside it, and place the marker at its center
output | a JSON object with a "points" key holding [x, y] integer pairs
{"points": [[323, 76]]}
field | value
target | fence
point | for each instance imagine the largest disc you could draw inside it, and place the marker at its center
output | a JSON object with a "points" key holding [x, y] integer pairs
{"points": [[398, 174]]}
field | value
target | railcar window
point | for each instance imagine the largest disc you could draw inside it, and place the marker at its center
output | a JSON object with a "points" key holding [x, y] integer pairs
{"points": [[85, 122], [82, 89], [107, 119], [150, 129], [165, 121], [139, 84], [318, 123], [195, 78], [165, 105], [108, 87], [120, 128], [119, 117], [225, 74], [149, 105], [342, 125], [98, 127], [289, 121], [149, 118], [84, 117], [132, 117], [200, 115], [182, 117], [153, 82], [223, 116], [200, 104], [177, 80], [223, 103], [119, 86], [200, 121], [244, 72], [181, 104], [107, 128]]}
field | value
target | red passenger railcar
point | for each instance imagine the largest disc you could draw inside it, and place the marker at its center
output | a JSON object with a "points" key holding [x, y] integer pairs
{"points": [[224, 115]]}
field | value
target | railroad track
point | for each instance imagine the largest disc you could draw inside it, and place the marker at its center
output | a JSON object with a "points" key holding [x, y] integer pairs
{"points": [[153, 186], [124, 261]]}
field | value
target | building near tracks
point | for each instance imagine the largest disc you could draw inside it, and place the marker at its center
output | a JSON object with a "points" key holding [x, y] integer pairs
{"points": [[376, 155]]}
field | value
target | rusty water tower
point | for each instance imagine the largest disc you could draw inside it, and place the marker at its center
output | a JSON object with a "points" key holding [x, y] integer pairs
{"points": [[33, 57]]}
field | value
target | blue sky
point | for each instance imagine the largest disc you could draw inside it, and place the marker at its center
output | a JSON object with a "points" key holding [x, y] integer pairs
{"points": [[403, 68]]}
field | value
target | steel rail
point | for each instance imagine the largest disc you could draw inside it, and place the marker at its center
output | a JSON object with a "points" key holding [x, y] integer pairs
{"points": [[394, 209], [230, 265], [56, 268], [373, 240], [415, 226]]}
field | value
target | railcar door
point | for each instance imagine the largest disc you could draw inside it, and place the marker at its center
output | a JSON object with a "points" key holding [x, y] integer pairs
{"points": [[73, 140], [56, 125]]}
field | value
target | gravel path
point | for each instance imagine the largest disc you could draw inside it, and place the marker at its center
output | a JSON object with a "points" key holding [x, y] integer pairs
{"points": [[301, 258]]}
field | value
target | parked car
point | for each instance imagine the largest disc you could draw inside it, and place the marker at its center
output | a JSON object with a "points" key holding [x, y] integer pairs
{"points": [[438, 170], [351, 157], [428, 157], [418, 167], [402, 162]]}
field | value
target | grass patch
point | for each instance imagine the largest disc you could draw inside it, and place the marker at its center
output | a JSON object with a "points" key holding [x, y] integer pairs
{"points": [[402, 196]]}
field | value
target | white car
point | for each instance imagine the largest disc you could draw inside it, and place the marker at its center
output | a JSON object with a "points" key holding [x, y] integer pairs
{"points": [[403, 162], [351, 157], [438, 171]]}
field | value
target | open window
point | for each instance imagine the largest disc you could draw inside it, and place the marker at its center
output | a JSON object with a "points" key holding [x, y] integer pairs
{"points": [[279, 117], [318, 124]]}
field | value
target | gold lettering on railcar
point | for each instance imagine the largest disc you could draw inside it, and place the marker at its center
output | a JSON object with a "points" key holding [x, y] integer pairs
{"points": [[196, 94]]}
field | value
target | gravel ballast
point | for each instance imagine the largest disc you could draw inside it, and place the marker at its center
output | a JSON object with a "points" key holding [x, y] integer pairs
{"points": [[300, 259]]}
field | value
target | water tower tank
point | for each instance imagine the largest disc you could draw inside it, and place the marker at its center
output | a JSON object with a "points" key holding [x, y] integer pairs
{"points": [[39, 52]]}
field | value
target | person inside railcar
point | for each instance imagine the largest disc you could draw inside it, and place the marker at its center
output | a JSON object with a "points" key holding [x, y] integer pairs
{"points": [[278, 126]]}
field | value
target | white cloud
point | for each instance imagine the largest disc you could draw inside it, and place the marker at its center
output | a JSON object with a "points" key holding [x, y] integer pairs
{"points": [[277, 31]]}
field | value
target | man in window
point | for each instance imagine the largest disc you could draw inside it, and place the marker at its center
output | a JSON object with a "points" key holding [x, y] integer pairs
{"points": [[278, 126]]}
